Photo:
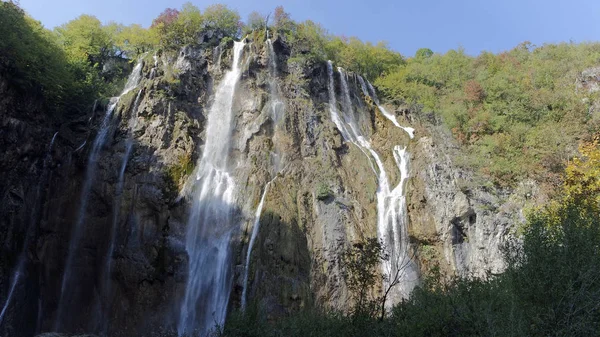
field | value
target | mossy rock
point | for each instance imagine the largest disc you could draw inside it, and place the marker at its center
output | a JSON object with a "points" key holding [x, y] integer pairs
{"points": [[323, 192]]}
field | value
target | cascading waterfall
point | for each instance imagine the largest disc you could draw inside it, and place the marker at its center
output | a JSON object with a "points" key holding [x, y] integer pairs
{"points": [[22, 260], [255, 230], [391, 117], [217, 52], [119, 188], [211, 224], [153, 70], [391, 205], [347, 127], [106, 282], [116, 210], [68, 281]]}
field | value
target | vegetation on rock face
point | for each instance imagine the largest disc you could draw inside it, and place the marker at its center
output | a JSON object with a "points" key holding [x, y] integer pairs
{"points": [[323, 192], [517, 114], [33, 60], [551, 285]]}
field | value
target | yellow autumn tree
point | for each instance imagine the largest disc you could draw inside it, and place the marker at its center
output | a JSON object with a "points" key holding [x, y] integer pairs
{"points": [[582, 176]]}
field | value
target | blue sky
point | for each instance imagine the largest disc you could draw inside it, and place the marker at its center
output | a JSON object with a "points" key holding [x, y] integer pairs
{"points": [[407, 25]]}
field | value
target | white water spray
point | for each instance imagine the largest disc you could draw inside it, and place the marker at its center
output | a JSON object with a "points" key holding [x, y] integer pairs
{"points": [[277, 105], [370, 91], [391, 204], [68, 280], [255, 230], [106, 281], [211, 225]]}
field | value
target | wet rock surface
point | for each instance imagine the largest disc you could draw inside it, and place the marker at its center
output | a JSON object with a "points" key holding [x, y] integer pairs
{"points": [[322, 198]]}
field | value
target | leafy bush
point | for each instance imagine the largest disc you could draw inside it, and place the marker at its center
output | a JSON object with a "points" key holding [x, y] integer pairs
{"points": [[323, 191]]}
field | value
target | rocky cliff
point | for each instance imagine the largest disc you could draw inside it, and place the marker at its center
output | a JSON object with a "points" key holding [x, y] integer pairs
{"points": [[322, 195]]}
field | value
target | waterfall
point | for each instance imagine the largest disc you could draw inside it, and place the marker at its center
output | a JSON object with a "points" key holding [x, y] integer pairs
{"points": [[348, 127], [277, 105], [391, 117], [255, 229], [15, 280], [22, 259], [391, 205], [211, 225], [217, 52], [106, 282], [68, 281]]}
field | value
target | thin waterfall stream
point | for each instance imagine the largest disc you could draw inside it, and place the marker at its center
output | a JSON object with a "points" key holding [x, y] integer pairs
{"points": [[69, 280], [370, 92], [255, 230], [108, 260], [277, 107], [33, 218], [391, 204]]}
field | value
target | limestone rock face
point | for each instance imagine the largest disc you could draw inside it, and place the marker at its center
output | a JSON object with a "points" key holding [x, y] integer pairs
{"points": [[321, 199], [456, 219]]}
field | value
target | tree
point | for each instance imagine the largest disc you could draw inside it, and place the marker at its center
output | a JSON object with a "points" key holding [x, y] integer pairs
{"points": [[281, 19], [30, 57], [361, 263], [85, 40], [189, 24], [134, 40], [167, 17], [367, 59], [423, 53], [256, 21], [164, 27], [220, 17]]}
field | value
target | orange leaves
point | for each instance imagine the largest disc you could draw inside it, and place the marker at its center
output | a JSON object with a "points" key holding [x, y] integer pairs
{"points": [[474, 91]]}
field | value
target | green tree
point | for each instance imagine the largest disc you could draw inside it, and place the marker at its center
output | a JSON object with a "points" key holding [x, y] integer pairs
{"points": [[256, 21], [282, 20], [85, 40], [134, 40], [31, 59], [423, 53], [164, 28], [220, 17]]}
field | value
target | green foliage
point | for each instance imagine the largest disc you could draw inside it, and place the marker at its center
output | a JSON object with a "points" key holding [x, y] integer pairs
{"points": [[256, 21], [30, 57], [220, 17], [85, 40], [323, 191], [551, 287], [282, 21], [178, 28], [423, 53], [174, 28], [176, 174], [367, 59], [516, 113], [62, 67], [91, 51], [311, 41], [132, 41], [361, 262]]}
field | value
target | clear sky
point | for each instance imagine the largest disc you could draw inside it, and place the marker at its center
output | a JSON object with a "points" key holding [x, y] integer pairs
{"points": [[407, 25]]}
